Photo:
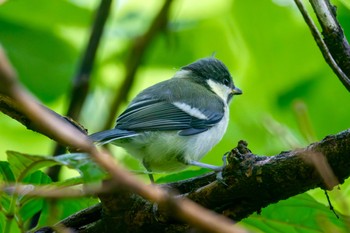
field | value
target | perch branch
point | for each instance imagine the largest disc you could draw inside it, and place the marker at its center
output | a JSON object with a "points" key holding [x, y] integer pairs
{"points": [[323, 164]]}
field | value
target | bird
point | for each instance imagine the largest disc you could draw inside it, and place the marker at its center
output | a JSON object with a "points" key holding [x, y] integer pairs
{"points": [[174, 123]]}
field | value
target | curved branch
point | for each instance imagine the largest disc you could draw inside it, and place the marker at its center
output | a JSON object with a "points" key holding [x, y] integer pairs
{"points": [[323, 164], [333, 33], [334, 47]]}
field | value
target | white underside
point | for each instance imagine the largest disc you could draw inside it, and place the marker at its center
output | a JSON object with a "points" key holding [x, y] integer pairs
{"points": [[167, 151]]}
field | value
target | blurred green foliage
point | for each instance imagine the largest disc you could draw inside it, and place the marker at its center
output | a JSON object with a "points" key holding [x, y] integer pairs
{"points": [[266, 45], [18, 209]]}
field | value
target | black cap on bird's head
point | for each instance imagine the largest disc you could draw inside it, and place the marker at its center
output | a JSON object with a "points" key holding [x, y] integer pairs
{"points": [[212, 69], [209, 68]]}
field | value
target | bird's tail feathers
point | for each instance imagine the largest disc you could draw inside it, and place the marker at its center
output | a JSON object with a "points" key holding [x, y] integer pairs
{"points": [[107, 136]]}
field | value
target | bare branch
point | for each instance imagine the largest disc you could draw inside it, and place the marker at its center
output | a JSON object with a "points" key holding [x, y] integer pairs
{"points": [[333, 34], [334, 47]]}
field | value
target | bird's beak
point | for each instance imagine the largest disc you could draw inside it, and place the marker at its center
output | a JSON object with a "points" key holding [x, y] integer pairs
{"points": [[236, 91]]}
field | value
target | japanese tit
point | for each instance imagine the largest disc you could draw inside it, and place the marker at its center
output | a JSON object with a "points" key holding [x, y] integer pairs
{"points": [[174, 123]]}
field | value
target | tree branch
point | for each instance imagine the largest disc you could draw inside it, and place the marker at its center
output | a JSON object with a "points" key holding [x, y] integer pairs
{"points": [[323, 164], [334, 46]]}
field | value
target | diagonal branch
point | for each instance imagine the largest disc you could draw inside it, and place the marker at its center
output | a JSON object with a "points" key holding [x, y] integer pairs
{"points": [[333, 45], [333, 33]]}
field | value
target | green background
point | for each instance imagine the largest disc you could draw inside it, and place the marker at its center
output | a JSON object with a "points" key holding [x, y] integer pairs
{"points": [[266, 45]]}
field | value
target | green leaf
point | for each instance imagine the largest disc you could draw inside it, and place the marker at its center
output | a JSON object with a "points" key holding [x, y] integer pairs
{"points": [[6, 172], [29, 206], [297, 214], [5, 201], [2, 222], [37, 177], [24, 164], [83, 164]]}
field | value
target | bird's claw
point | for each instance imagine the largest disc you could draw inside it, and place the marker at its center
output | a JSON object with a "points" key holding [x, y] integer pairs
{"points": [[219, 177]]}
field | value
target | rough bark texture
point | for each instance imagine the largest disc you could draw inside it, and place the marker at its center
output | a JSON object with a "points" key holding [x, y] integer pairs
{"points": [[333, 33], [250, 183]]}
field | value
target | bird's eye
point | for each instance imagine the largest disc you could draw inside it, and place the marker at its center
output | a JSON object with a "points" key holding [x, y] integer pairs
{"points": [[226, 81]]}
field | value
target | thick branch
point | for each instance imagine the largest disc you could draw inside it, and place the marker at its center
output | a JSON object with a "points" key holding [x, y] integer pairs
{"points": [[323, 164]]}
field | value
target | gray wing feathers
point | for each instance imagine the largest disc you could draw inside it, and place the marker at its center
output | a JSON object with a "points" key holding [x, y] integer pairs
{"points": [[153, 108], [107, 136]]}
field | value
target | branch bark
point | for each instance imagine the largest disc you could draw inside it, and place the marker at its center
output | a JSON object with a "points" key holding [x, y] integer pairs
{"points": [[333, 45], [333, 33], [323, 164]]}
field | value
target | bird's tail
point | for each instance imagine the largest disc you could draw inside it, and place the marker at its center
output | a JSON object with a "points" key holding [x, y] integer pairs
{"points": [[107, 136]]}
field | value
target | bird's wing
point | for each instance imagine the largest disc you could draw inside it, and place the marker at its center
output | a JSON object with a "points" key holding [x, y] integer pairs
{"points": [[107, 136], [163, 115]]}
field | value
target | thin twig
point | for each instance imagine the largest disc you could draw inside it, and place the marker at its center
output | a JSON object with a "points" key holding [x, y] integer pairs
{"points": [[82, 79], [330, 204], [322, 46], [51, 192], [134, 59]]}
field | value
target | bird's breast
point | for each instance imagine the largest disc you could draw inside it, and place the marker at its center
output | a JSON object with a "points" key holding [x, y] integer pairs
{"points": [[167, 151]]}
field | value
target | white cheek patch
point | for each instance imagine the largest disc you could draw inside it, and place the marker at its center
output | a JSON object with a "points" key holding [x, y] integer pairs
{"points": [[221, 90], [191, 110]]}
